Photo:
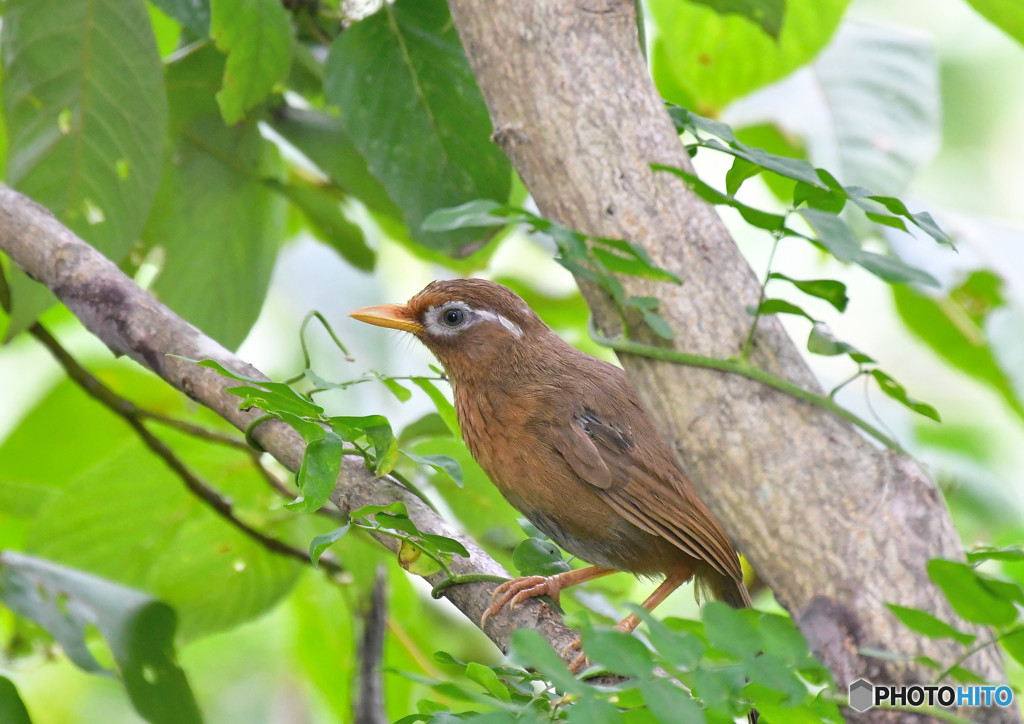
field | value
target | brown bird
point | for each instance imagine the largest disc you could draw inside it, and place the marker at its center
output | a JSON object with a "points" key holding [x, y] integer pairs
{"points": [[564, 437]]}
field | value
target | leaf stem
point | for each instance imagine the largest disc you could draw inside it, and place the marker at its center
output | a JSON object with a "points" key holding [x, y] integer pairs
{"points": [[745, 369], [452, 580], [749, 341]]}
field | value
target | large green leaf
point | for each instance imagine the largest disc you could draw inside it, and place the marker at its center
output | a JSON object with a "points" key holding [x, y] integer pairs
{"points": [[138, 629], [217, 220], [766, 14], [86, 116], [703, 60], [411, 107], [12, 708], [947, 325], [1007, 15], [191, 14], [257, 37]]}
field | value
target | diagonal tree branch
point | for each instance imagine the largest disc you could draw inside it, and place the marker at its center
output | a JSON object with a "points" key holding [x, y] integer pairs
{"points": [[835, 526], [133, 323]]}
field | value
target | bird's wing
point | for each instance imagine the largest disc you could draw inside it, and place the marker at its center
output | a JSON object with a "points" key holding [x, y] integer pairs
{"points": [[653, 494]]}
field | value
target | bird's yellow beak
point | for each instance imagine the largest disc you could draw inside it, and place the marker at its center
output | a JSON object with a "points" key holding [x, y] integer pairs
{"points": [[395, 316]]}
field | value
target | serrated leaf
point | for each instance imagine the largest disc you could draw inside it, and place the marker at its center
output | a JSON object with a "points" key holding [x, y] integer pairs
{"points": [[410, 104], [138, 629], [974, 597], [925, 623], [256, 36], [213, 204], [899, 393], [89, 154]]}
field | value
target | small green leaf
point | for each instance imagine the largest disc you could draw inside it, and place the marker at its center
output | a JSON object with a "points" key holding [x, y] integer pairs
{"points": [[830, 290], [754, 217], [822, 341], [444, 408], [414, 559], [532, 650], [257, 37], [1013, 554], [729, 630], [781, 306], [318, 473], [925, 623], [537, 557], [378, 433], [974, 597], [479, 213], [618, 652], [397, 507], [1013, 643], [398, 390], [741, 170], [12, 708], [669, 703], [442, 463], [898, 392], [322, 542], [488, 679], [442, 544]]}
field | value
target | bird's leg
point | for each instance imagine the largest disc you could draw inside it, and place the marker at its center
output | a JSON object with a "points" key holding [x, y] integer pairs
{"points": [[519, 589], [627, 625]]}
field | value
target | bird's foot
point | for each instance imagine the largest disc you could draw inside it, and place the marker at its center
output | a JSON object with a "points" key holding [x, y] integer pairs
{"points": [[518, 590], [579, 661]]}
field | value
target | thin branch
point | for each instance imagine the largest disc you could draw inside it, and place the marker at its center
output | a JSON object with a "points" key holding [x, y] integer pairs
{"points": [[369, 707], [134, 416]]}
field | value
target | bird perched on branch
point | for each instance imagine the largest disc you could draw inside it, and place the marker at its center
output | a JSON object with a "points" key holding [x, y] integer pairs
{"points": [[564, 437]]}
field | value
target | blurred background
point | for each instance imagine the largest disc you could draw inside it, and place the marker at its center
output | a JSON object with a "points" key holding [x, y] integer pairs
{"points": [[958, 152]]}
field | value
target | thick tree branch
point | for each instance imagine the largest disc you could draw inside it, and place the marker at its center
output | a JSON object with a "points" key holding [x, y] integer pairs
{"points": [[835, 526], [132, 323]]}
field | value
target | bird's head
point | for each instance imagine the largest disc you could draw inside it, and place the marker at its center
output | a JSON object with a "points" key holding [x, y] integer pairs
{"points": [[466, 323]]}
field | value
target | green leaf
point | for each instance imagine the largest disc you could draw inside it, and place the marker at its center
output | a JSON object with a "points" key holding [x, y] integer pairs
{"points": [[442, 463], [946, 326], [925, 623], [138, 629], [532, 650], [987, 553], [214, 205], [618, 652], [704, 60], [538, 557], [898, 392], [377, 431], [669, 703], [974, 597], [256, 36], [1007, 15], [191, 14], [594, 711], [479, 213], [488, 679], [822, 341], [444, 408], [329, 225], [830, 290], [85, 117], [766, 14], [755, 217], [12, 708], [411, 106], [740, 171], [1013, 644], [323, 140], [729, 630], [397, 389], [322, 542], [318, 473], [781, 306]]}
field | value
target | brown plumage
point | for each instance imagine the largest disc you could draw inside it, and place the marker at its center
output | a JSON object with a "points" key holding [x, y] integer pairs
{"points": [[562, 434]]}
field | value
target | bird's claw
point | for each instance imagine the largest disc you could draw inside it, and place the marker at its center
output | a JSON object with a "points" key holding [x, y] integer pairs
{"points": [[579, 661], [518, 590]]}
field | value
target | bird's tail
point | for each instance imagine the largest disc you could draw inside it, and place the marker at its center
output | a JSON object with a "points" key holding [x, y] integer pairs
{"points": [[712, 584]]}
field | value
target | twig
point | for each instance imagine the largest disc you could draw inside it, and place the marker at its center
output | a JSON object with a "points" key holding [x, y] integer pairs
{"points": [[134, 416], [369, 707]]}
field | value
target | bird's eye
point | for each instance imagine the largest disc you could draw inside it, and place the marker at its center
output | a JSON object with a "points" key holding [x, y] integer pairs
{"points": [[452, 317]]}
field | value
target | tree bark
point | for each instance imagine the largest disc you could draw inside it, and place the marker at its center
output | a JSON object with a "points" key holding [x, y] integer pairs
{"points": [[835, 526]]}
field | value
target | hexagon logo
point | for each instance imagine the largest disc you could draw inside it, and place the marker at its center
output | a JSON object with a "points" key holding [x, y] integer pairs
{"points": [[862, 695]]}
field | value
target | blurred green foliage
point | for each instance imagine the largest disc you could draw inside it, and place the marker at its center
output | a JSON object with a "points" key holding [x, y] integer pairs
{"points": [[192, 141]]}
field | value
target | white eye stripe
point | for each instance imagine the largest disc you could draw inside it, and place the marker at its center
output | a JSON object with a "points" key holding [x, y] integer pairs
{"points": [[432, 323]]}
